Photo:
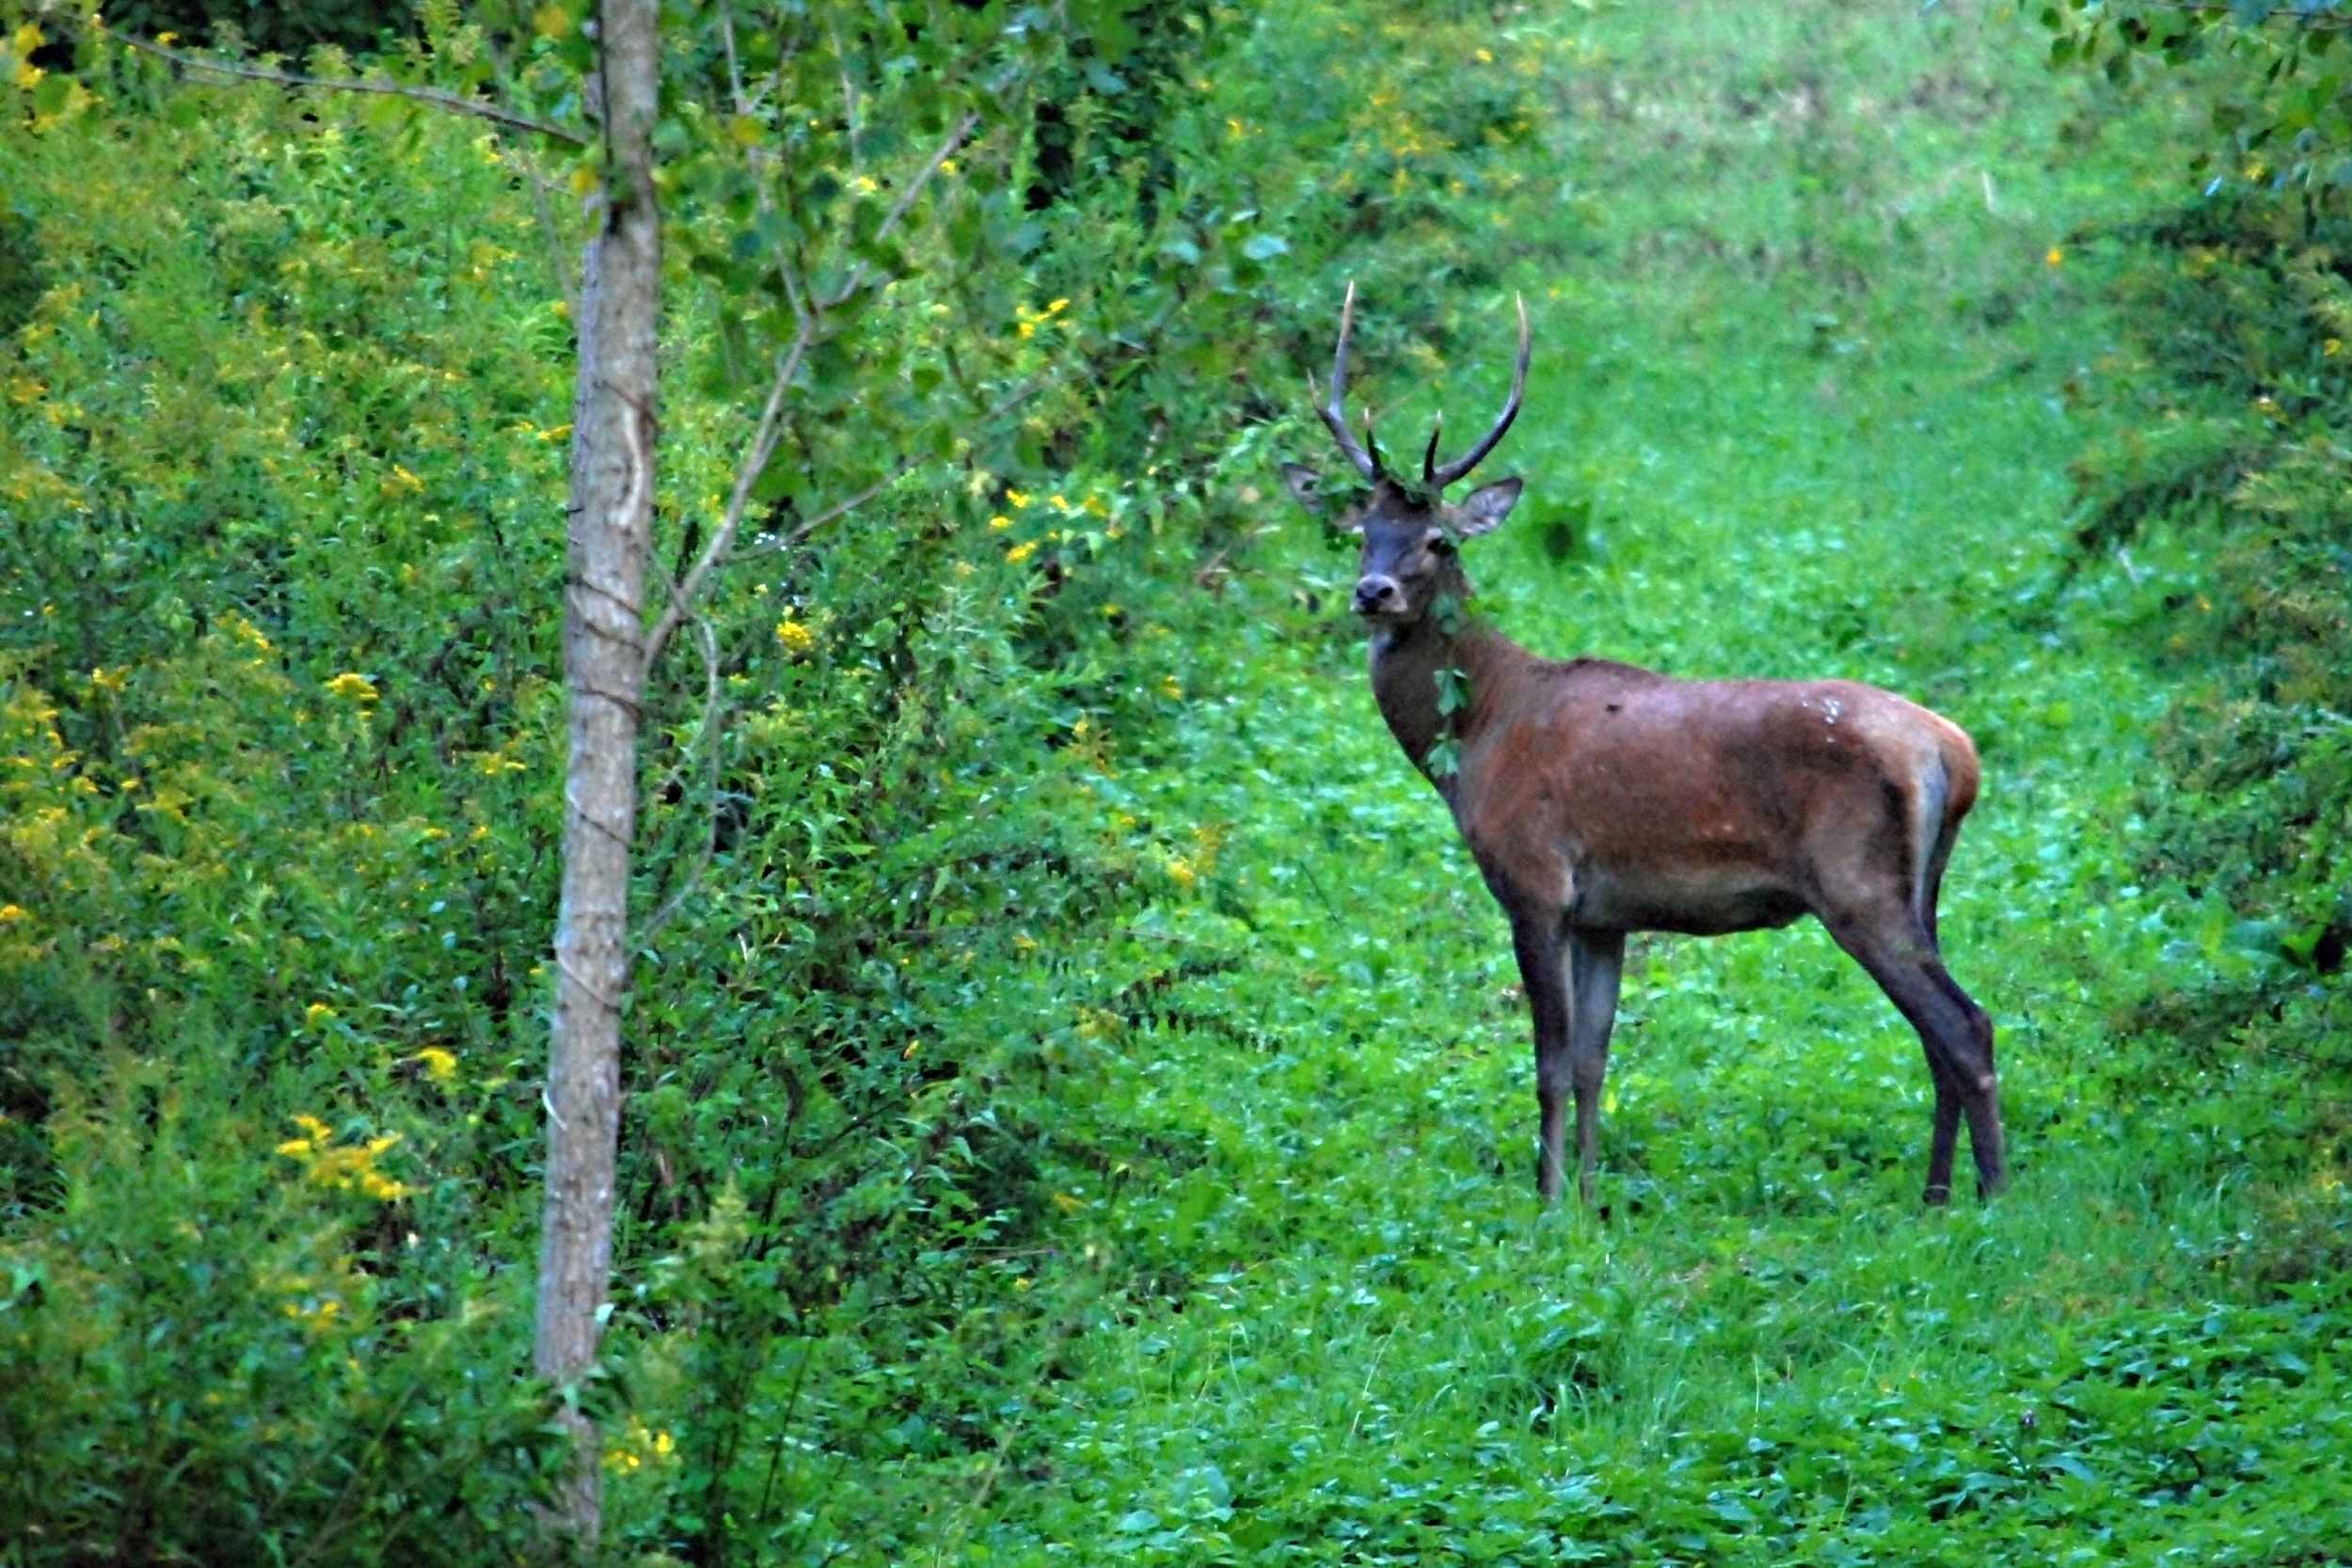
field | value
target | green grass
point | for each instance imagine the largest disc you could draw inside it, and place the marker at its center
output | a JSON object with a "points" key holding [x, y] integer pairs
{"points": [[1802, 400]]}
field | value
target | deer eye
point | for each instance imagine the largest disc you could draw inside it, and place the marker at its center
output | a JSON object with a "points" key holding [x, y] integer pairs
{"points": [[1436, 540]]}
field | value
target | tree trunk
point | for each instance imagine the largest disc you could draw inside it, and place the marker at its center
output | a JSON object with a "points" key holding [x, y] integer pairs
{"points": [[613, 440]]}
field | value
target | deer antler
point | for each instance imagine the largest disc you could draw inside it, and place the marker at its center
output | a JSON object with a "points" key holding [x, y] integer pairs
{"points": [[1437, 477], [1366, 457]]}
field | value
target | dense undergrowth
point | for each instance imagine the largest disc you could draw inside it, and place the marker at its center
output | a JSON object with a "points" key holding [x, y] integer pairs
{"points": [[1078, 1112]]}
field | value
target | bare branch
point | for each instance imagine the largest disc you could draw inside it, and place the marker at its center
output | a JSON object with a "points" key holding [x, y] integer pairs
{"points": [[456, 103]]}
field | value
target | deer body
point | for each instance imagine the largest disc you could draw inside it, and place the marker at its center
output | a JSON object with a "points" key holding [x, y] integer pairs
{"points": [[1600, 799]]}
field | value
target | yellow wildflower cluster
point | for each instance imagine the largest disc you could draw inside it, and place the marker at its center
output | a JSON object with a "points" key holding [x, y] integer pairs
{"points": [[439, 1065], [639, 1446], [345, 1167], [316, 1315], [247, 633], [1029, 321], [1022, 551], [352, 687], [794, 635], [23, 72]]}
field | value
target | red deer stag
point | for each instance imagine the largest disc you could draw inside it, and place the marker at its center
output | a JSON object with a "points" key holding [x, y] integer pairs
{"points": [[1600, 799]]}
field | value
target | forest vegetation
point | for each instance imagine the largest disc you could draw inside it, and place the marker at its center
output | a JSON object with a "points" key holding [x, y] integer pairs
{"points": [[1077, 1105]]}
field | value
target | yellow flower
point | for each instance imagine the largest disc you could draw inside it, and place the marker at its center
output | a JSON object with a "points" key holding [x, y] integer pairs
{"points": [[1096, 505], [1022, 551], [317, 1012], [353, 687], [109, 680], [1016, 498], [320, 1132], [383, 1188], [439, 1065], [1000, 522], [2054, 256], [662, 1444], [12, 913], [1171, 686], [796, 637], [1060, 502], [28, 75], [1180, 871], [1058, 307]]}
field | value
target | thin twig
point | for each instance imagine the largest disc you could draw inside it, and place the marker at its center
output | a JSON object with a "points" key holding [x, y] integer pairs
{"points": [[848, 94], [2213, 11], [810, 525], [706, 738], [456, 102], [559, 253], [810, 312], [754, 462], [906, 198]]}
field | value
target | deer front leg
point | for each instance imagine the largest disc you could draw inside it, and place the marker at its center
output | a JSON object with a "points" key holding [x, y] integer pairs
{"points": [[1595, 962], [1535, 939]]}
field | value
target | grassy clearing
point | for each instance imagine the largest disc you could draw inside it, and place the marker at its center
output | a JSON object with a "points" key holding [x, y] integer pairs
{"points": [[1803, 404]]}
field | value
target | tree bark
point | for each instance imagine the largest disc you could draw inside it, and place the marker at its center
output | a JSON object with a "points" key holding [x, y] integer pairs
{"points": [[613, 445]]}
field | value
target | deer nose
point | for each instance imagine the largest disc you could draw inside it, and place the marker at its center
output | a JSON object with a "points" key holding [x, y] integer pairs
{"points": [[1377, 594]]}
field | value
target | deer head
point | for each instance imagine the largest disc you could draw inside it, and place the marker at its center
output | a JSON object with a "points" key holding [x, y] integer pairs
{"points": [[1409, 532]]}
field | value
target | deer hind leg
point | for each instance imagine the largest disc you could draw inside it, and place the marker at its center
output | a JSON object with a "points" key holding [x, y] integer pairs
{"points": [[1594, 960], [1893, 945], [1536, 942]]}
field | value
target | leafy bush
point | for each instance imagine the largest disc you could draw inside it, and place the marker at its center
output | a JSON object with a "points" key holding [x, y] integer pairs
{"points": [[2229, 489]]}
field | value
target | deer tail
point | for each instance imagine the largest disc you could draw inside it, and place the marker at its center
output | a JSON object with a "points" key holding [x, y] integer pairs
{"points": [[1945, 793]]}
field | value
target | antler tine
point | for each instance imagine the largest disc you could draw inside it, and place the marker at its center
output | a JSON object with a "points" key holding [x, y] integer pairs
{"points": [[1429, 456], [1446, 475], [1334, 407]]}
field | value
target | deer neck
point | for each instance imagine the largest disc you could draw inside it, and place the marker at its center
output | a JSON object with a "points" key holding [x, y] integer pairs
{"points": [[1406, 661]]}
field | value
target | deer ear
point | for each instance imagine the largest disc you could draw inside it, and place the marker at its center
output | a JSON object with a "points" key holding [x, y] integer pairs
{"points": [[1304, 487], [1485, 508]]}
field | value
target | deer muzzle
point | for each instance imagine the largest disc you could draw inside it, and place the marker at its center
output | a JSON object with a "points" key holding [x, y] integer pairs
{"points": [[1378, 595]]}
